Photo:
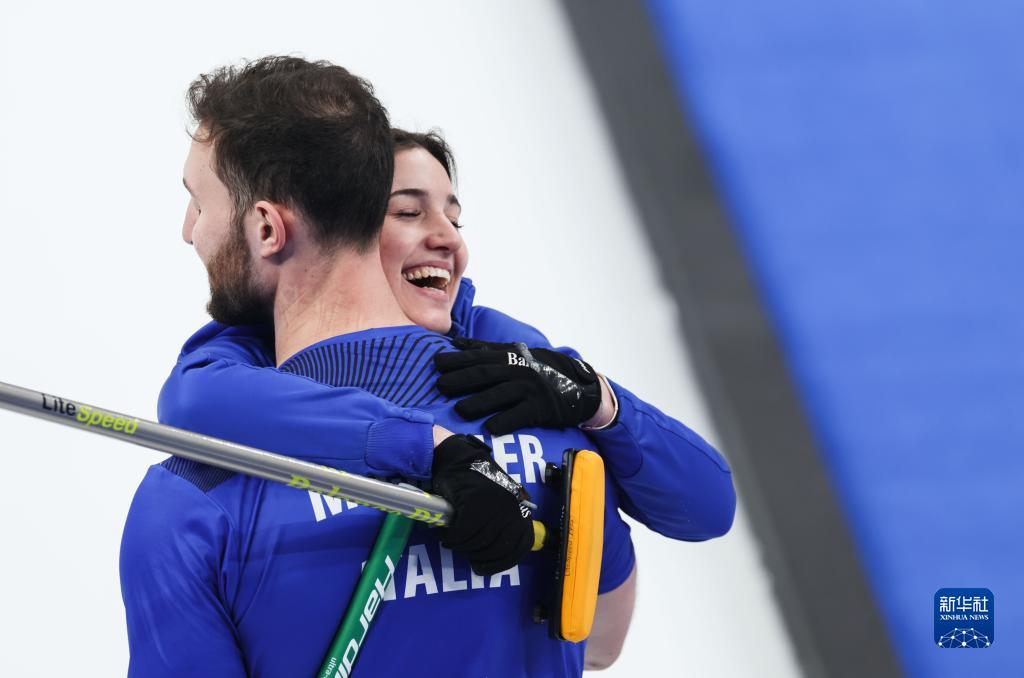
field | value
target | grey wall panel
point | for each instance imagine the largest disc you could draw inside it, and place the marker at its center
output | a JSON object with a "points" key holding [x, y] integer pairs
{"points": [[819, 582]]}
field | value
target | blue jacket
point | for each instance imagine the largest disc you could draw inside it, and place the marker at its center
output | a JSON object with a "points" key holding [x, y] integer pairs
{"points": [[227, 575], [225, 385]]}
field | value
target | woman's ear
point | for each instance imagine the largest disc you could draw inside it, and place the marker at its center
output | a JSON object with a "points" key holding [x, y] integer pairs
{"points": [[273, 235]]}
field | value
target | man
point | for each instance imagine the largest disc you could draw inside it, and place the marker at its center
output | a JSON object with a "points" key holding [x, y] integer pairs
{"points": [[227, 575]]}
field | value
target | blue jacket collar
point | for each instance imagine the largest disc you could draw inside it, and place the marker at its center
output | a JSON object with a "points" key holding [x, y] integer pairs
{"points": [[393, 363], [462, 309]]}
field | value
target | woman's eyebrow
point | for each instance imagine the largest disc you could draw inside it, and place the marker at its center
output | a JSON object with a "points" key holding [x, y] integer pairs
{"points": [[420, 193], [414, 192]]}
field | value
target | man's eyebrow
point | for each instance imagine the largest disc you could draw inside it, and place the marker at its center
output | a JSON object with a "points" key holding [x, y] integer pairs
{"points": [[452, 200]]}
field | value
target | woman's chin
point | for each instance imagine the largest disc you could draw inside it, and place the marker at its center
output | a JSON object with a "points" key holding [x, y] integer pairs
{"points": [[435, 320], [429, 308]]}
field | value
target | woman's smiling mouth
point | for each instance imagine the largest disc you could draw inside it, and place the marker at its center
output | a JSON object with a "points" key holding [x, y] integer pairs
{"points": [[431, 279]]}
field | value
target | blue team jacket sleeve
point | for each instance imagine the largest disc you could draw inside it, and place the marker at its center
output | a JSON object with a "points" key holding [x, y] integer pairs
{"points": [[224, 385], [172, 582], [617, 555], [670, 479]]}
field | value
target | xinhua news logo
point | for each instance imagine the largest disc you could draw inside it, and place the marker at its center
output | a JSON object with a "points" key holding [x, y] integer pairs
{"points": [[964, 618]]}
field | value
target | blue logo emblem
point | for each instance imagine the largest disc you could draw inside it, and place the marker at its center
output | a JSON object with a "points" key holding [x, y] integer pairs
{"points": [[964, 618]]}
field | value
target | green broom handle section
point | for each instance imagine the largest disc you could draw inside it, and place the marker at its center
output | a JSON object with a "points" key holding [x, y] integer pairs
{"points": [[377, 575]]}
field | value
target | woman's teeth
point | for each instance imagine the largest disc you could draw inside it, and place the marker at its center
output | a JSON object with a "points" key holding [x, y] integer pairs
{"points": [[428, 276]]}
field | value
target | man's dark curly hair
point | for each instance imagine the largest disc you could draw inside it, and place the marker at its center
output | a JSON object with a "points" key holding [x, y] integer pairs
{"points": [[306, 134]]}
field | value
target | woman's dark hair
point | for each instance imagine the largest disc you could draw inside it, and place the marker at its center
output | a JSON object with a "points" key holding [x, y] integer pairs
{"points": [[432, 142], [307, 134]]}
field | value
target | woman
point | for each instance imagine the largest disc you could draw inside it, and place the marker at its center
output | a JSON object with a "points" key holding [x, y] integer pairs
{"points": [[665, 475]]}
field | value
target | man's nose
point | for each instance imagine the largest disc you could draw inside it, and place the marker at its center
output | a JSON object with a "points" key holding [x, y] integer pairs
{"points": [[186, 227]]}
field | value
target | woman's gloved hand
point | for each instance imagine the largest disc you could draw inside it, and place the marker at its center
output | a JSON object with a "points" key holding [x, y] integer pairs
{"points": [[526, 387]]}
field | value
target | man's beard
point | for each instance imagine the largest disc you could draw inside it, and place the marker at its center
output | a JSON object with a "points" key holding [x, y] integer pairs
{"points": [[235, 296]]}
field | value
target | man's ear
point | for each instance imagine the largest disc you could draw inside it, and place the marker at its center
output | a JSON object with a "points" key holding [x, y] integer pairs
{"points": [[273, 232]]}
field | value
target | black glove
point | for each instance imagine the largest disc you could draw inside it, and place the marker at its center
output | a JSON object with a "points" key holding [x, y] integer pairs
{"points": [[526, 386], [491, 526]]}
